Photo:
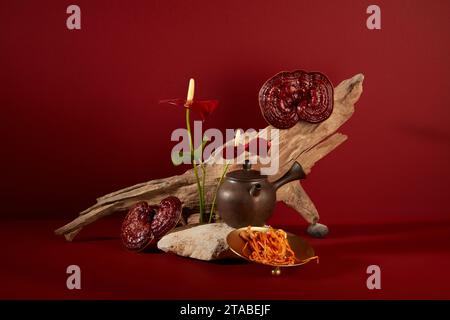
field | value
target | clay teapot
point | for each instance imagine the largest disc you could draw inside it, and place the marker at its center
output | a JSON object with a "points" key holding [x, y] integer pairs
{"points": [[246, 197]]}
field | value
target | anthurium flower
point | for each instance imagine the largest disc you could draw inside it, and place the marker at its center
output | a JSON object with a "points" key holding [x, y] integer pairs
{"points": [[203, 107]]}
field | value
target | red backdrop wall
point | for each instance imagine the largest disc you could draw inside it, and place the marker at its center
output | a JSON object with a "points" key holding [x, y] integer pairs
{"points": [[80, 118]]}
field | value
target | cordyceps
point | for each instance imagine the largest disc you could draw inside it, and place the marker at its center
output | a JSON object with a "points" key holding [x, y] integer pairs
{"points": [[144, 225], [289, 97]]}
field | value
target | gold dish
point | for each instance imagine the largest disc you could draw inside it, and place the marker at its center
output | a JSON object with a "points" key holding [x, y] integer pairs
{"points": [[303, 251]]}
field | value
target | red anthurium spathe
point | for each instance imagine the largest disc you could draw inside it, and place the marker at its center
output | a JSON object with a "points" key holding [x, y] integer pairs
{"points": [[203, 107]]}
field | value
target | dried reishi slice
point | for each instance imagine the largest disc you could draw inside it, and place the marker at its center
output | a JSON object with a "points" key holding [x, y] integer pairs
{"points": [[136, 230], [169, 213], [289, 97], [277, 101], [317, 104], [144, 225]]}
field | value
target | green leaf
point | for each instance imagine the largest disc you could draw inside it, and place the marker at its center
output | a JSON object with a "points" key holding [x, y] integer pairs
{"points": [[198, 153], [178, 157]]}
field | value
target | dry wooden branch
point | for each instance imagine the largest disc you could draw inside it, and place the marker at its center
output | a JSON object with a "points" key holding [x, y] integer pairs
{"points": [[306, 143]]}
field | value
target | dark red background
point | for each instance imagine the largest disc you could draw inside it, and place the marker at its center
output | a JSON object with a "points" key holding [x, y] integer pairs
{"points": [[80, 118]]}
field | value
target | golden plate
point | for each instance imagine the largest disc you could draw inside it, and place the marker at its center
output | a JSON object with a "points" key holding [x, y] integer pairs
{"points": [[303, 251]]}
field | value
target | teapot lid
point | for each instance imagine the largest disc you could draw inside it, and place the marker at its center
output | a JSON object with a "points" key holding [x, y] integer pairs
{"points": [[246, 174]]}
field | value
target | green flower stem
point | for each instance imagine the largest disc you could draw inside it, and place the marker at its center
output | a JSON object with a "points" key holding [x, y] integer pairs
{"points": [[199, 187], [202, 166], [225, 169]]}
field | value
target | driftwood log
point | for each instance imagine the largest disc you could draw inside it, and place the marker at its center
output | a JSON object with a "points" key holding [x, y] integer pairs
{"points": [[306, 143]]}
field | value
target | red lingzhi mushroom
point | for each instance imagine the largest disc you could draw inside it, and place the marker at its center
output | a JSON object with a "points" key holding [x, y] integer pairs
{"points": [[144, 225], [289, 97]]}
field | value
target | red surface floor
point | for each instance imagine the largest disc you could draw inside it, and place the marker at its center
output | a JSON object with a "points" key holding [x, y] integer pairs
{"points": [[413, 256]]}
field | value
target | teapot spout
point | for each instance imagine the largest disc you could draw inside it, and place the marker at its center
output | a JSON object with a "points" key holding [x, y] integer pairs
{"points": [[295, 173]]}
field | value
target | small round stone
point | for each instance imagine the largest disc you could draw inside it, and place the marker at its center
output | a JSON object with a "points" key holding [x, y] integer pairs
{"points": [[317, 230]]}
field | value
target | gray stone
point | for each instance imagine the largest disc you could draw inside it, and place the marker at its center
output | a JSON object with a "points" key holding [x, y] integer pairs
{"points": [[203, 242], [317, 230]]}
